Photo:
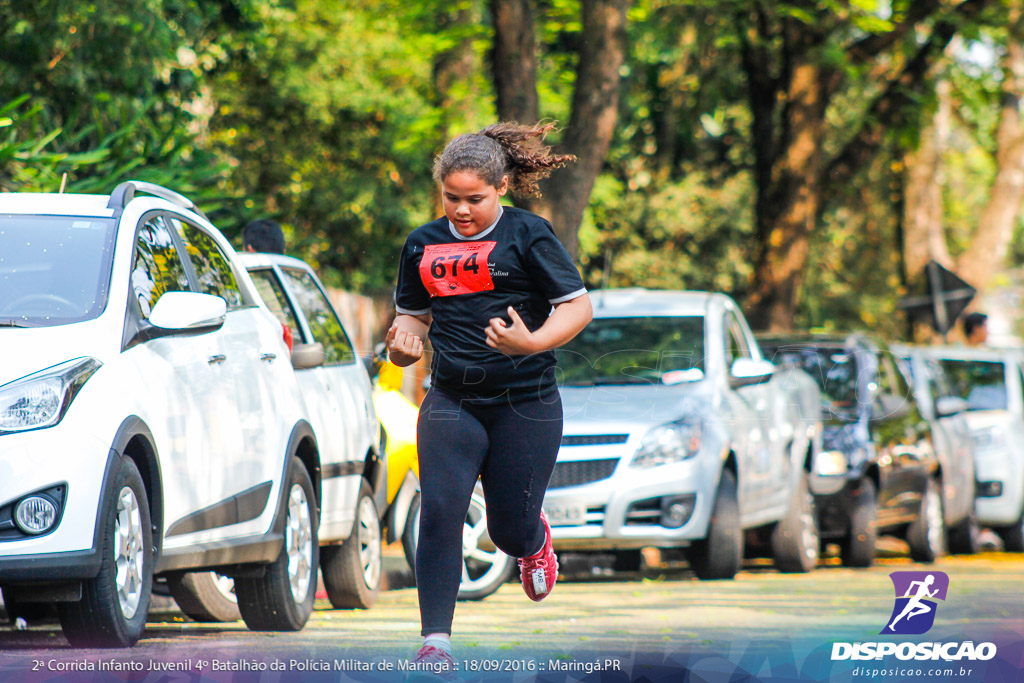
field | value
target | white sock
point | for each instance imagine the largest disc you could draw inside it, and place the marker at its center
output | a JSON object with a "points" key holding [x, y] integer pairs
{"points": [[442, 641]]}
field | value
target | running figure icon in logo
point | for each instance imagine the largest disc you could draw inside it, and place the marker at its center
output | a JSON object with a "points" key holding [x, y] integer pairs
{"points": [[913, 608]]}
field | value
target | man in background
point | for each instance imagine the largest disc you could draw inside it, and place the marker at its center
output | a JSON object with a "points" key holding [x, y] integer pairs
{"points": [[976, 328], [263, 235]]}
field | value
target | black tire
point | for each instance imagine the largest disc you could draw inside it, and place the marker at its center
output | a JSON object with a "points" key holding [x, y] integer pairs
{"points": [[796, 542], [484, 567], [718, 556], [1013, 536], [112, 615], [965, 536], [352, 571], [487, 572], [204, 597], [857, 548], [411, 532], [268, 602], [926, 535]]}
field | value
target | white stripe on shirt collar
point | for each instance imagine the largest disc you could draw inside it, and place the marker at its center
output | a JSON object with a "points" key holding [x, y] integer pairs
{"points": [[451, 226]]}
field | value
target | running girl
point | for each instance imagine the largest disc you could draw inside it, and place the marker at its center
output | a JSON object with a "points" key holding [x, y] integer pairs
{"points": [[497, 292]]}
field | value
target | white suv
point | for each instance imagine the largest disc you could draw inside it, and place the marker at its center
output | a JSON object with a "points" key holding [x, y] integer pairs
{"points": [[150, 419]]}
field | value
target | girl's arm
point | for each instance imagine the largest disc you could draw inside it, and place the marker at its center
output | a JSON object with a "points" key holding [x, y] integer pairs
{"points": [[405, 338], [567, 320]]}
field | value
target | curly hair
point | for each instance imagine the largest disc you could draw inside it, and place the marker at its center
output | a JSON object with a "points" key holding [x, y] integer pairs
{"points": [[503, 149]]}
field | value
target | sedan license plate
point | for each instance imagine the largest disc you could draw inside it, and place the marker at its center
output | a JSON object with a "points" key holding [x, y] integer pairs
{"points": [[565, 515]]}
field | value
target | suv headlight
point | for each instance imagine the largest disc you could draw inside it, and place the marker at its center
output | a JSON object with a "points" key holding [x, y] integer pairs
{"points": [[989, 437], [41, 399], [669, 443]]}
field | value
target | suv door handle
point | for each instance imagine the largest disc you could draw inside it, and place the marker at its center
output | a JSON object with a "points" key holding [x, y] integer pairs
{"points": [[216, 360], [269, 357]]}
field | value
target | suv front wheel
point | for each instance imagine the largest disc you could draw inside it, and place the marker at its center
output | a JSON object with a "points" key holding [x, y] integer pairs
{"points": [[281, 598], [114, 605], [718, 555]]}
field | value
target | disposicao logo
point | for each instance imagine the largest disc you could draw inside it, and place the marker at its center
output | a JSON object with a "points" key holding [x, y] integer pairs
{"points": [[914, 614], [916, 593]]}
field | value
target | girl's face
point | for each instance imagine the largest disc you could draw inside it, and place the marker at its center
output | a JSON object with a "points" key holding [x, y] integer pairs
{"points": [[470, 202]]}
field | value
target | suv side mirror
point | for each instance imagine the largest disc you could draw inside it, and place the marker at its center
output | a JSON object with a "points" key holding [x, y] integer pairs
{"points": [[747, 371], [189, 312], [890, 407], [950, 405], [306, 356]]}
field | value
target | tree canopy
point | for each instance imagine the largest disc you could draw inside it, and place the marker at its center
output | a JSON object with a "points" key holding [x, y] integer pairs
{"points": [[767, 150]]}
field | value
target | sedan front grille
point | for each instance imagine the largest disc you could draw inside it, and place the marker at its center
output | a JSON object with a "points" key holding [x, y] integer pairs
{"points": [[595, 439], [581, 472]]}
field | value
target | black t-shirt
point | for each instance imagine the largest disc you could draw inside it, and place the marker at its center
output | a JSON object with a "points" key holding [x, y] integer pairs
{"points": [[464, 282]]}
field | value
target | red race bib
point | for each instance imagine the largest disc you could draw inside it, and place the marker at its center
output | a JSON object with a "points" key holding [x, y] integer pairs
{"points": [[450, 269]]}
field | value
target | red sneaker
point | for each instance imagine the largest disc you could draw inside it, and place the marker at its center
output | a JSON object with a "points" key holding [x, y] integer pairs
{"points": [[432, 664], [539, 572]]}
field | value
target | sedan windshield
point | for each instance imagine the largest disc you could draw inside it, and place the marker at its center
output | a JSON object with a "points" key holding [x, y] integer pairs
{"points": [[981, 383], [834, 369], [54, 270], [651, 350]]}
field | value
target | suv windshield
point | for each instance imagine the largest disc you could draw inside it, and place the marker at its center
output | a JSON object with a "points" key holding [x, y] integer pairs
{"points": [[652, 350], [981, 383], [834, 369], [54, 270]]}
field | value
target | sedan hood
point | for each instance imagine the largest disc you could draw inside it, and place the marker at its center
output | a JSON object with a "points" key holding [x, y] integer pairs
{"points": [[26, 351], [622, 409]]}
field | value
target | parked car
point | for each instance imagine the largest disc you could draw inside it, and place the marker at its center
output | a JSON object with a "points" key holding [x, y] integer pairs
{"points": [[877, 472], [336, 390], [992, 383], [678, 433], [954, 448], [150, 421]]}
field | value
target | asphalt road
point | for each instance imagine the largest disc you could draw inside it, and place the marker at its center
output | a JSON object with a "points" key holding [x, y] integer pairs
{"points": [[660, 625]]}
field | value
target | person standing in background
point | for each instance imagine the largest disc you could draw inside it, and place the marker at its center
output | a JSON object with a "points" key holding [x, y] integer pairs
{"points": [[263, 235]]}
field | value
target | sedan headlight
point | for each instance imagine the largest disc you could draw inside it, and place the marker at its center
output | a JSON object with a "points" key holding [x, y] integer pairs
{"points": [[669, 443], [831, 463], [989, 437], [41, 399]]}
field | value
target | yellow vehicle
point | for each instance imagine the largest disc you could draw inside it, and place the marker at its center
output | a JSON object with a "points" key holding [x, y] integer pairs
{"points": [[484, 567]]}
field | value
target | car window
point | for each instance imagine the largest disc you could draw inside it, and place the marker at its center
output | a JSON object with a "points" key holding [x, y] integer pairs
{"points": [[736, 342], [158, 267], [211, 265], [834, 369], [982, 383], [634, 350], [940, 385], [323, 322], [272, 293], [54, 270]]}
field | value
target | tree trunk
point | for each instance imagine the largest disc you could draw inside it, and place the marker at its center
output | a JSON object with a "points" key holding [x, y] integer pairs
{"points": [[924, 236], [514, 61], [788, 193], [987, 253], [592, 122], [790, 200], [452, 67], [594, 107]]}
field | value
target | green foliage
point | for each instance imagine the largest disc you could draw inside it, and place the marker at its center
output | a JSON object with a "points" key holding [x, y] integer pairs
{"points": [[326, 115]]}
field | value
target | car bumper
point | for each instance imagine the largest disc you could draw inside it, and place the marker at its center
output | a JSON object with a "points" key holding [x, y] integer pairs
{"points": [[624, 510], [33, 461], [1002, 471]]}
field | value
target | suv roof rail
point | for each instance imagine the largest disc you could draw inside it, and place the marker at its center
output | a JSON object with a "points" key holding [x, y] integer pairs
{"points": [[124, 193]]}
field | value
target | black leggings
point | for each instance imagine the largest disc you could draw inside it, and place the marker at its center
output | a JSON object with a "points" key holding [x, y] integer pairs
{"points": [[511, 447]]}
